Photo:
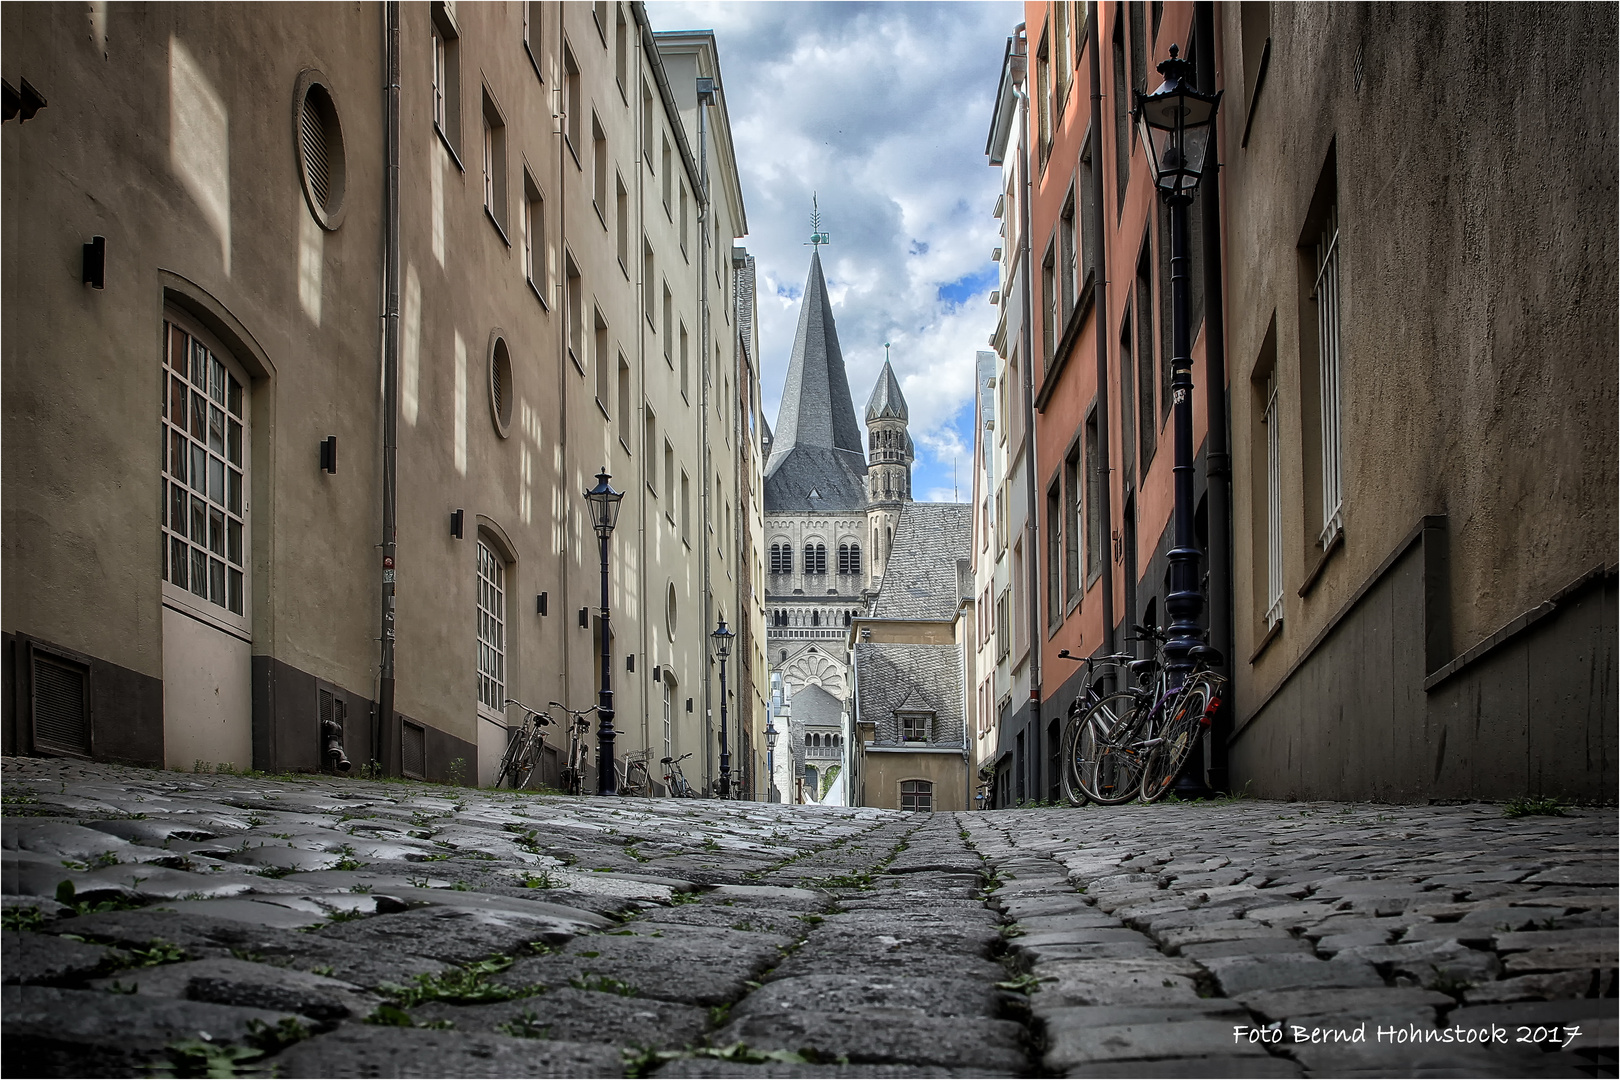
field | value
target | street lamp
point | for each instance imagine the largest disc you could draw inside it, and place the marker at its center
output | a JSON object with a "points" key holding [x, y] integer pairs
{"points": [[1177, 124], [604, 503], [771, 792], [722, 649]]}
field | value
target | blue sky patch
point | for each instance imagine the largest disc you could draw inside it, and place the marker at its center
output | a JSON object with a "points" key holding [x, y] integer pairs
{"points": [[968, 286]]}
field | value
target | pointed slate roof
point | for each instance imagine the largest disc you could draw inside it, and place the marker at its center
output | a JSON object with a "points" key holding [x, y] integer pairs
{"points": [[817, 460], [887, 402]]}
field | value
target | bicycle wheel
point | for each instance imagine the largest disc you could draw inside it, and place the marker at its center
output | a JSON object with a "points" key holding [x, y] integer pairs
{"points": [[1109, 760], [510, 760], [1176, 742], [1069, 764]]}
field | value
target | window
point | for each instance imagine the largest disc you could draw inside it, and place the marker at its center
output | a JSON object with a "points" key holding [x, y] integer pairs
{"points": [[533, 13], [1274, 554], [575, 300], [1256, 30], [321, 160], [669, 479], [1122, 112], [1003, 624], [915, 726], [1139, 67], [573, 104], [669, 326], [1094, 483], [685, 364], [815, 558], [1148, 426], [601, 360], [648, 445], [1088, 209], [648, 297], [621, 47], [494, 163], [1054, 554], [1049, 307], [1066, 259], [1021, 597], [849, 558], [624, 401], [1062, 60], [917, 795], [621, 215], [683, 217], [669, 175], [1127, 397], [647, 125], [446, 48], [1325, 293], [599, 12], [1072, 524], [491, 629], [669, 722], [686, 508], [204, 518], [599, 169], [534, 235], [1043, 101], [781, 558], [501, 391]]}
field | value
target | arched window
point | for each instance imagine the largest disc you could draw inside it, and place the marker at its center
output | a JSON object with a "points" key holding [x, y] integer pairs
{"points": [[854, 558], [815, 558], [781, 558], [846, 618], [784, 656], [815, 618], [917, 795]]}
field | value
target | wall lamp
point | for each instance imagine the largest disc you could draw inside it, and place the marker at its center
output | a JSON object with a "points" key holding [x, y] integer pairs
{"points": [[95, 262], [329, 456], [457, 528], [540, 603]]}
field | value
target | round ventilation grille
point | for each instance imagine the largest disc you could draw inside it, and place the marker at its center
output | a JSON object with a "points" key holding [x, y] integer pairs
{"points": [[321, 161], [502, 393]]}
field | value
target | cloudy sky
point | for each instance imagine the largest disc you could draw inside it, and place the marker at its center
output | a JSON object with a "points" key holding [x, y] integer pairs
{"points": [[882, 110]]}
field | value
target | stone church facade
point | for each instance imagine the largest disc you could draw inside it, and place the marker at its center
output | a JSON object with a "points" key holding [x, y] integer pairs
{"points": [[829, 514]]}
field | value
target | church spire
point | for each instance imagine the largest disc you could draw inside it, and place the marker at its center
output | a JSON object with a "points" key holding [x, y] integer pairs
{"points": [[817, 460]]}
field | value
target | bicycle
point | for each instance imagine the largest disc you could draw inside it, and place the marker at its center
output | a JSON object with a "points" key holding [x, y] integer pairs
{"points": [[634, 779], [1116, 733], [1192, 715], [675, 783], [573, 772], [1069, 771], [524, 745]]}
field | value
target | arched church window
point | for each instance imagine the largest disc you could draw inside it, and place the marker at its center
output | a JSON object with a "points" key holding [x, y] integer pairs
{"points": [[846, 618], [854, 558], [815, 558], [815, 618], [784, 656]]}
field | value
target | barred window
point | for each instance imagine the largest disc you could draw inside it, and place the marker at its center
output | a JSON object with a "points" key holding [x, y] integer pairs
{"points": [[917, 795], [1274, 567], [849, 558], [815, 558], [1326, 295], [781, 558], [205, 447], [491, 628]]}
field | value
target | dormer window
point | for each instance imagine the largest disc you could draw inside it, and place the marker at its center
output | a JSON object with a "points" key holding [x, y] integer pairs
{"points": [[916, 726]]}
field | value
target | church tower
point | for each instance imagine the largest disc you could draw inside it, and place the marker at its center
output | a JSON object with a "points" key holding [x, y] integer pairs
{"points": [[889, 456]]}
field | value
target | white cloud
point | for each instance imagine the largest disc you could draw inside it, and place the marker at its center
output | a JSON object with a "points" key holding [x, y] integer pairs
{"points": [[882, 110]]}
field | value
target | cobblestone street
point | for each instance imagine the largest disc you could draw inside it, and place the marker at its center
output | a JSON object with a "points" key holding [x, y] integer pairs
{"points": [[210, 923]]}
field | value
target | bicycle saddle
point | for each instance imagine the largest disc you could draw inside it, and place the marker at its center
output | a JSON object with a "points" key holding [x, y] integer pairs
{"points": [[1207, 655], [1140, 666], [665, 761]]}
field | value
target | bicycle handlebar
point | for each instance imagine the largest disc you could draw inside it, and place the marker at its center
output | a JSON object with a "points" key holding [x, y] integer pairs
{"points": [[532, 711], [576, 713]]}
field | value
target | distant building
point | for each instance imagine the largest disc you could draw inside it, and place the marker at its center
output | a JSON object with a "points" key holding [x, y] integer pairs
{"points": [[911, 669]]}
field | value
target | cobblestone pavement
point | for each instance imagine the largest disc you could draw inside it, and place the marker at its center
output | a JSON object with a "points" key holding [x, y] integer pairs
{"points": [[218, 925]]}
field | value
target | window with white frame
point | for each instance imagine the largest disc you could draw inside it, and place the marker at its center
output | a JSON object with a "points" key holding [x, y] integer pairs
{"points": [[1274, 567], [491, 628], [1326, 295], [534, 235], [446, 49], [204, 520], [915, 725], [669, 724], [917, 795]]}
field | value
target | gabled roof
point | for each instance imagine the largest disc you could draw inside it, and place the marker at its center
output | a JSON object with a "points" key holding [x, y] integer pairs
{"points": [[920, 580], [815, 706], [924, 678], [887, 402], [817, 458]]}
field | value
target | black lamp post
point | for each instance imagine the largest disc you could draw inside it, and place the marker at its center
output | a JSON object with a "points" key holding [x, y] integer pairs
{"points": [[722, 649], [771, 793], [604, 502], [1177, 124]]}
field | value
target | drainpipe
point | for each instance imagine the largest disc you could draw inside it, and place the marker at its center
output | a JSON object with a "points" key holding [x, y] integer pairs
{"points": [[1219, 469], [704, 214], [382, 721], [560, 298], [1032, 521], [1100, 322]]}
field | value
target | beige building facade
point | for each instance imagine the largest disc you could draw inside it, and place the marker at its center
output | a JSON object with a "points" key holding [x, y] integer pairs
{"points": [[566, 301]]}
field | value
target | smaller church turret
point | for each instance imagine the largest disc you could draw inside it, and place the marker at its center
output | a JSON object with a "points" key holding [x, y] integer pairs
{"points": [[889, 455]]}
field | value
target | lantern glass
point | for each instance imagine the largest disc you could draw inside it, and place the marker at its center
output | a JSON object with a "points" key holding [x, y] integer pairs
{"points": [[722, 640], [1175, 123], [604, 502]]}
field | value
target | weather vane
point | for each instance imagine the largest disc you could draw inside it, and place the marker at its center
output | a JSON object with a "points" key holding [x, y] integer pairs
{"points": [[817, 237], [885, 352]]}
